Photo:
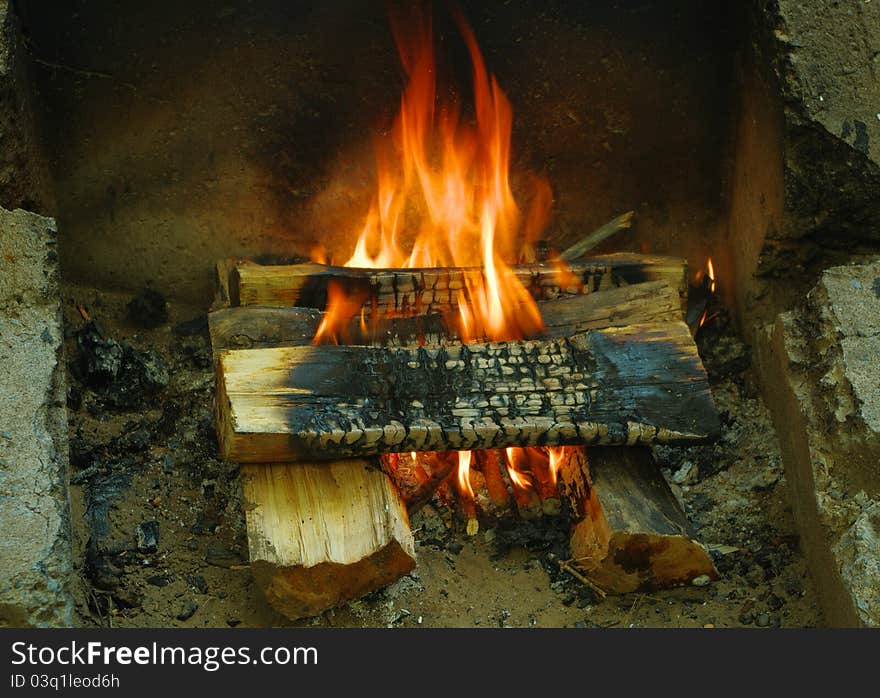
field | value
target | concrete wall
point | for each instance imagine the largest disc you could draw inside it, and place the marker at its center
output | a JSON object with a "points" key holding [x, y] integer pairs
{"points": [[185, 132]]}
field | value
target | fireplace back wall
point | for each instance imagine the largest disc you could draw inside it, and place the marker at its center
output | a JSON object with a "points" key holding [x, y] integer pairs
{"points": [[181, 133]]}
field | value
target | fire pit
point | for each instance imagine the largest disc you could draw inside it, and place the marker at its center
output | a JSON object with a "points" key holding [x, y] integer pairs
{"points": [[525, 314]]}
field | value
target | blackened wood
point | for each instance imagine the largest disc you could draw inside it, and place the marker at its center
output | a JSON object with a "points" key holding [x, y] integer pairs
{"points": [[424, 291], [252, 327], [628, 530], [638, 384]]}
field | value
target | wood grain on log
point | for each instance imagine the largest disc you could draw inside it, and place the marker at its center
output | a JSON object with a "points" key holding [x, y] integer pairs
{"points": [[322, 534], [424, 291], [628, 531], [637, 384], [253, 327]]}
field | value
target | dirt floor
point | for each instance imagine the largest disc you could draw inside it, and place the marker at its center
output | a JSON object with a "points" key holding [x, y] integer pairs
{"points": [[159, 529]]}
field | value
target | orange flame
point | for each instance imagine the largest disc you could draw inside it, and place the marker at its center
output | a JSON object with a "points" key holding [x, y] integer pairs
{"points": [[444, 199], [341, 307], [517, 457], [464, 473], [710, 274], [557, 455], [444, 184]]}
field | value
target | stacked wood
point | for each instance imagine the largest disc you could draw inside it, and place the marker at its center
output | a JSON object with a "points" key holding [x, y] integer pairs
{"points": [[416, 478], [629, 532], [615, 366], [425, 291], [320, 534]]}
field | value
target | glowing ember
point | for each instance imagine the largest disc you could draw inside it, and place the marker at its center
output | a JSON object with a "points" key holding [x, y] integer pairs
{"points": [[711, 275]]}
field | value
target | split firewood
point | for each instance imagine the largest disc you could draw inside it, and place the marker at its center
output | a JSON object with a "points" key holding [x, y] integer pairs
{"points": [[638, 384], [491, 465], [320, 534], [628, 530], [417, 478], [253, 327], [587, 243], [545, 483], [406, 292]]}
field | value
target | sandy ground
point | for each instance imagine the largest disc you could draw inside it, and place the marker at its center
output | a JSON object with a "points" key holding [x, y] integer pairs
{"points": [[139, 459]]}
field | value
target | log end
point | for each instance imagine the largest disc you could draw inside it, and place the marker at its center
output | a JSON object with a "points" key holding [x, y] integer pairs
{"points": [[321, 534], [644, 562], [299, 592]]}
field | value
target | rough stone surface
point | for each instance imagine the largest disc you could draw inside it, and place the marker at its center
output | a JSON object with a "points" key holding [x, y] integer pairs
{"points": [[35, 553], [24, 177], [805, 186], [826, 405]]}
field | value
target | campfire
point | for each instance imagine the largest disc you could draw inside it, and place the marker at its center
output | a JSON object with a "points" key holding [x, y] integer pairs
{"points": [[444, 361]]}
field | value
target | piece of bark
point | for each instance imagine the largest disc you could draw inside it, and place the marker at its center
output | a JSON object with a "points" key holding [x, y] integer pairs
{"points": [[406, 292], [252, 327], [638, 384], [628, 531], [320, 534]]}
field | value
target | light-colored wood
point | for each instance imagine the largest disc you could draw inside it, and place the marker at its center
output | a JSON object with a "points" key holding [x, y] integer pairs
{"points": [[602, 233], [407, 292], [628, 531], [320, 534], [638, 384]]}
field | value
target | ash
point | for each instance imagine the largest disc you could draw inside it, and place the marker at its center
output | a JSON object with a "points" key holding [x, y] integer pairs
{"points": [[159, 525]]}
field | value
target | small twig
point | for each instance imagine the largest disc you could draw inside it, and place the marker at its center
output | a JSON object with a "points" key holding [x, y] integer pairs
{"points": [[566, 567], [584, 245]]}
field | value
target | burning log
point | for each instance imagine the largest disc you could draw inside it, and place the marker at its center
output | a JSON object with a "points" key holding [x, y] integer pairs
{"points": [[628, 531], [252, 327], [417, 478], [528, 501], [491, 464], [322, 534], [637, 384], [407, 292]]}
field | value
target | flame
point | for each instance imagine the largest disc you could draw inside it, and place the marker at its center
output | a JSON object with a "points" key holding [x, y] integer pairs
{"points": [[341, 307], [710, 274], [516, 457], [443, 199], [464, 473], [557, 455], [443, 182]]}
